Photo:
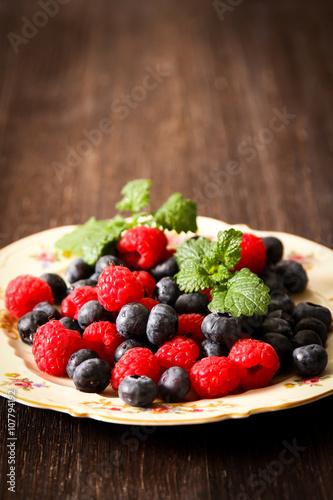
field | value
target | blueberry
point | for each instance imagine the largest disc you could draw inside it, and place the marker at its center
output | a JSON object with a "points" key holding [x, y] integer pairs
{"points": [[309, 310], [126, 346], [167, 291], [71, 324], [174, 384], [132, 320], [315, 325], [278, 313], [57, 284], [294, 275], [108, 260], [274, 249], [168, 267], [162, 324], [306, 337], [189, 303], [276, 325], [222, 328], [85, 282], [77, 358], [209, 348], [78, 270], [51, 311], [91, 312], [27, 325], [251, 324], [92, 375], [272, 279], [94, 277], [281, 301], [137, 390], [282, 347], [310, 360]]}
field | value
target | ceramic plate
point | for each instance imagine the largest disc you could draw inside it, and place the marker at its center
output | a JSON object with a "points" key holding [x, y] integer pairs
{"points": [[36, 254]]}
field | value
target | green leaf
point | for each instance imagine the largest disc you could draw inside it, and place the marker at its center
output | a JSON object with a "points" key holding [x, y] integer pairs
{"points": [[193, 278], [217, 303], [229, 250], [193, 250], [72, 242], [178, 214], [246, 294], [223, 274], [135, 195]]}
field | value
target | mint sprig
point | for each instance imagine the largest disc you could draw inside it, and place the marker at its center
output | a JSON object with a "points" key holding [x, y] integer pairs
{"points": [[205, 264], [135, 196]]}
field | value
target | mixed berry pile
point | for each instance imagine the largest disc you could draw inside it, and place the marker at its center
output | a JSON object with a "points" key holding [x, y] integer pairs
{"points": [[127, 321]]}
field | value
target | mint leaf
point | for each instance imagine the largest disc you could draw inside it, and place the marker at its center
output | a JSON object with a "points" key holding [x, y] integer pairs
{"points": [[228, 244], [193, 278], [178, 214], [246, 294], [72, 242], [217, 303], [223, 274], [135, 195], [193, 250]]}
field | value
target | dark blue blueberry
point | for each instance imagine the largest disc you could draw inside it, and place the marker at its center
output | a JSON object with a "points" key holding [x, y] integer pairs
{"points": [[162, 324], [188, 303], [209, 348], [71, 324], [281, 301], [251, 324], [174, 384], [278, 313], [77, 358], [310, 360], [108, 260], [168, 267], [309, 310], [276, 325], [282, 347], [305, 337], [137, 390], [94, 277], [167, 291], [78, 270], [132, 321], [92, 375], [58, 286], [222, 328], [274, 249], [91, 312], [27, 325], [86, 282], [126, 346], [51, 311], [272, 279], [315, 325], [294, 275]]}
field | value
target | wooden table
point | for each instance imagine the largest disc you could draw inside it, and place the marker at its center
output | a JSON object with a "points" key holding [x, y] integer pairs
{"points": [[229, 103]]}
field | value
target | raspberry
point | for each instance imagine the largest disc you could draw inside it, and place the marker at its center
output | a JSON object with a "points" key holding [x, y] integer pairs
{"points": [[147, 281], [103, 338], [148, 303], [136, 361], [24, 292], [257, 360], [53, 345], [253, 255], [117, 286], [207, 292], [190, 325], [72, 304], [142, 247], [180, 351], [214, 377]]}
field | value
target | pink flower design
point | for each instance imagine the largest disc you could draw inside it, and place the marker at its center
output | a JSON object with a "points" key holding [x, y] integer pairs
{"points": [[115, 409], [47, 256], [311, 380], [160, 409], [23, 383], [297, 258], [195, 410]]}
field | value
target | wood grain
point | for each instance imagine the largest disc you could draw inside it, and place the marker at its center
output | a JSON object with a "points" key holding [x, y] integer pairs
{"points": [[209, 128]]}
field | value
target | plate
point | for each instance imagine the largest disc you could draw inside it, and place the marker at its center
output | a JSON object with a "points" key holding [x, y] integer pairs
{"points": [[21, 379]]}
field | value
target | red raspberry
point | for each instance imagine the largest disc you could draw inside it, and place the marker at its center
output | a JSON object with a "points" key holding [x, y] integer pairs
{"points": [[103, 338], [72, 304], [53, 345], [253, 255], [180, 351], [147, 281], [214, 377], [117, 286], [24, 293], [207, 292], [190, 325], [136, 361], [257, 360], [148, 303], [142, 247]]}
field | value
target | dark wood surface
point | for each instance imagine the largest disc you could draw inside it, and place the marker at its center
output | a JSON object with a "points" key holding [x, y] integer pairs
{"points": [[208, 126]]}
